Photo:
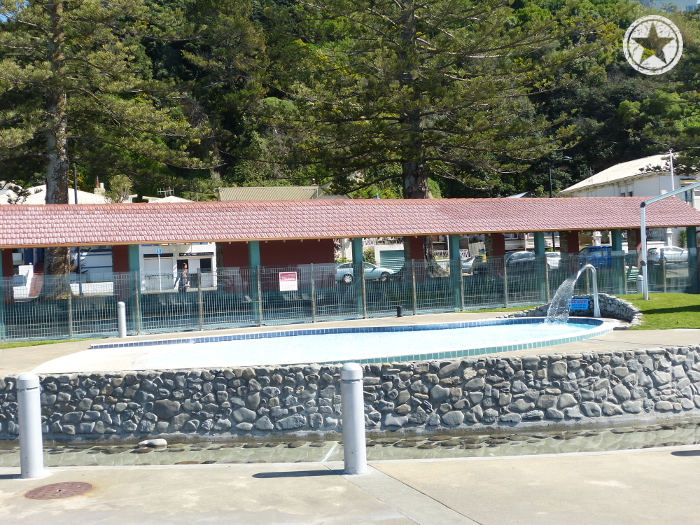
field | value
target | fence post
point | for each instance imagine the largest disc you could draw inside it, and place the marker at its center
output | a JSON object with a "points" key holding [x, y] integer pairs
{"points": [[137, 302], [546, 282], [31, 456], [358, 279], [618, 261], [461, 287], [352, 404], [505, 284], [364, 291], [258, 297], [663, 270], [3, 334], [200, 306], [455, 271], [70, 310], [414, 294], [313, 295], [692, 246]]}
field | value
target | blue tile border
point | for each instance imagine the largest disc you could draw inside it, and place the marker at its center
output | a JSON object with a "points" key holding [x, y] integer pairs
{"points": [[453, 354]]}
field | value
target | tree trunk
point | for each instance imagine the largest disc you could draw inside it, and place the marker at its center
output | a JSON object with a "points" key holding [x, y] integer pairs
{"points": [[57, 259]]}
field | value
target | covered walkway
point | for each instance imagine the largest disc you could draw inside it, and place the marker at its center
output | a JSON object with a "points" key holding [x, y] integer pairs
{"points": [[258, 241]]}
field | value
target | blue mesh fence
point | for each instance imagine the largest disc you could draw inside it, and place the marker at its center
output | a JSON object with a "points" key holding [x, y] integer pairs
{"points": [[62, 307]]}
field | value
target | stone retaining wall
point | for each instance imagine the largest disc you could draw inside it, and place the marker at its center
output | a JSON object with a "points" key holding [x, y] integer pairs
{"points": [[467, 394], [611, 307]]}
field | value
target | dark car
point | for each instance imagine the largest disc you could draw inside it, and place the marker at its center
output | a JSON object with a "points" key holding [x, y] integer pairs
{"points": [[518, 262], [598, 256]]}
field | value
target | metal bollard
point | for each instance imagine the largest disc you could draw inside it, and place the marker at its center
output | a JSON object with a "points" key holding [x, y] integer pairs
{"points": [[121, 319], [640, 283], [31, 455], [355, 448]]}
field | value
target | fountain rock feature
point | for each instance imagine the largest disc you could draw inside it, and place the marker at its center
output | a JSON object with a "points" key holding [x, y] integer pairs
{"points": [[560, 306]]}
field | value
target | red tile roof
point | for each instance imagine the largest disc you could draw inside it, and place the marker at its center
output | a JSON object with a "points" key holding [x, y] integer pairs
{"points": [[113, 224]]}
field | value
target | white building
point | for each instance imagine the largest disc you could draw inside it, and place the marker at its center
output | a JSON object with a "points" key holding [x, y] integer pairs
{"points": [[645, 177], [159, 264]]}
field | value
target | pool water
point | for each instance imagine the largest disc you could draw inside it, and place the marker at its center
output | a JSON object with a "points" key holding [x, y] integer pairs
{"points": [[363, 345]]}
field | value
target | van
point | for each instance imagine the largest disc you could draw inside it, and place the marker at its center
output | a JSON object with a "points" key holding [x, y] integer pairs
{"points": [[598, 256]]}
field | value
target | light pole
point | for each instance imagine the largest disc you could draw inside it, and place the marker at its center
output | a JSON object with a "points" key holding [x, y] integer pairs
{"points": [[549, 169]]}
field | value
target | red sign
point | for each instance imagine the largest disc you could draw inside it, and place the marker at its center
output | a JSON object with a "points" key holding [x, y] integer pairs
{"points": [[288, 282]]}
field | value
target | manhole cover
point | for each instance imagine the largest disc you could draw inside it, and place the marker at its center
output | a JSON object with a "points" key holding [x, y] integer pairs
{"points": [[59, 490]]}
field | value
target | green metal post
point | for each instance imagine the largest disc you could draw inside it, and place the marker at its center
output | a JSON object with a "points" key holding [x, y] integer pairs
{"points": [[70, 310], [3, 333], [414, 291], [258, 294], [313, 295], [358, 277], [505, 283], [135, 270], [618, 260], [692, 244], [137, 300], [541, 264], [455, 271], [663, 274], [255, 288], [200, 304]]}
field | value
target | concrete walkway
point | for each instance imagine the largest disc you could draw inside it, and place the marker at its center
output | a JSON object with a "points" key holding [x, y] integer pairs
{"points": [[622, 488], [642, 486]]}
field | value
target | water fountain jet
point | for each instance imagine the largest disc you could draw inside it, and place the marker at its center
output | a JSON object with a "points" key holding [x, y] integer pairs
{"points": [[559, 307]]}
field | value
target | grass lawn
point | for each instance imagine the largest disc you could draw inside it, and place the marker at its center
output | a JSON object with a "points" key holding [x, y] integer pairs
{"points": [[665, 311], [17, 344]]}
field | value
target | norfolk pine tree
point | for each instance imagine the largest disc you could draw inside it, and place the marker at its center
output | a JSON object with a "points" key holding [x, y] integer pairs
{"points": [[73, 77], [435, 88]]}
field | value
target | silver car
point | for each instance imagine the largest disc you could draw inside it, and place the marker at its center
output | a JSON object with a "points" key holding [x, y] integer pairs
{"points": [[672, 254], [344, 272]]}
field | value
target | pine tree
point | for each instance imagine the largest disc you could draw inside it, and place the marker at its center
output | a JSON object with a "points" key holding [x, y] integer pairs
{"points": [[438, 88], [75, 80]]}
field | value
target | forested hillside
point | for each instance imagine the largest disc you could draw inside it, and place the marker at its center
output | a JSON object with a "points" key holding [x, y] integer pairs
{"points": [[448, 98]]}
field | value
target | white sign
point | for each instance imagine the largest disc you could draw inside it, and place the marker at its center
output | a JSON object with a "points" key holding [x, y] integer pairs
{"points": [[288, 282], [652, 45], [578, 304]]}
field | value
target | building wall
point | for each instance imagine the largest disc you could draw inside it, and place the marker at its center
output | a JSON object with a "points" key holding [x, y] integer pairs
{"points": [[292, 253], [280, 253]]}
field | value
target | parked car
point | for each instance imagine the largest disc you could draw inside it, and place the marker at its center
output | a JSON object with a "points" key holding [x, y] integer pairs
{"points": [[517, 262], [598, 256], [467, 264], [344, 272], [553, 260], [524, 260], [671, 254]]}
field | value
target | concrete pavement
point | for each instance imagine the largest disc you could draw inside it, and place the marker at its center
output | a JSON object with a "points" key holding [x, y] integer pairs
{"points": [[632, 487], [644, 486]]}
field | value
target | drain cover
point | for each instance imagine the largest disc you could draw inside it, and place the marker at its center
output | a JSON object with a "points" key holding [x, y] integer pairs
{"points": [[59, 490]]}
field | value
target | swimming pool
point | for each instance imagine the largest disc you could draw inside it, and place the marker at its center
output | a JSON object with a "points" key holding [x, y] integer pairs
{"points": [[359, 344]]}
